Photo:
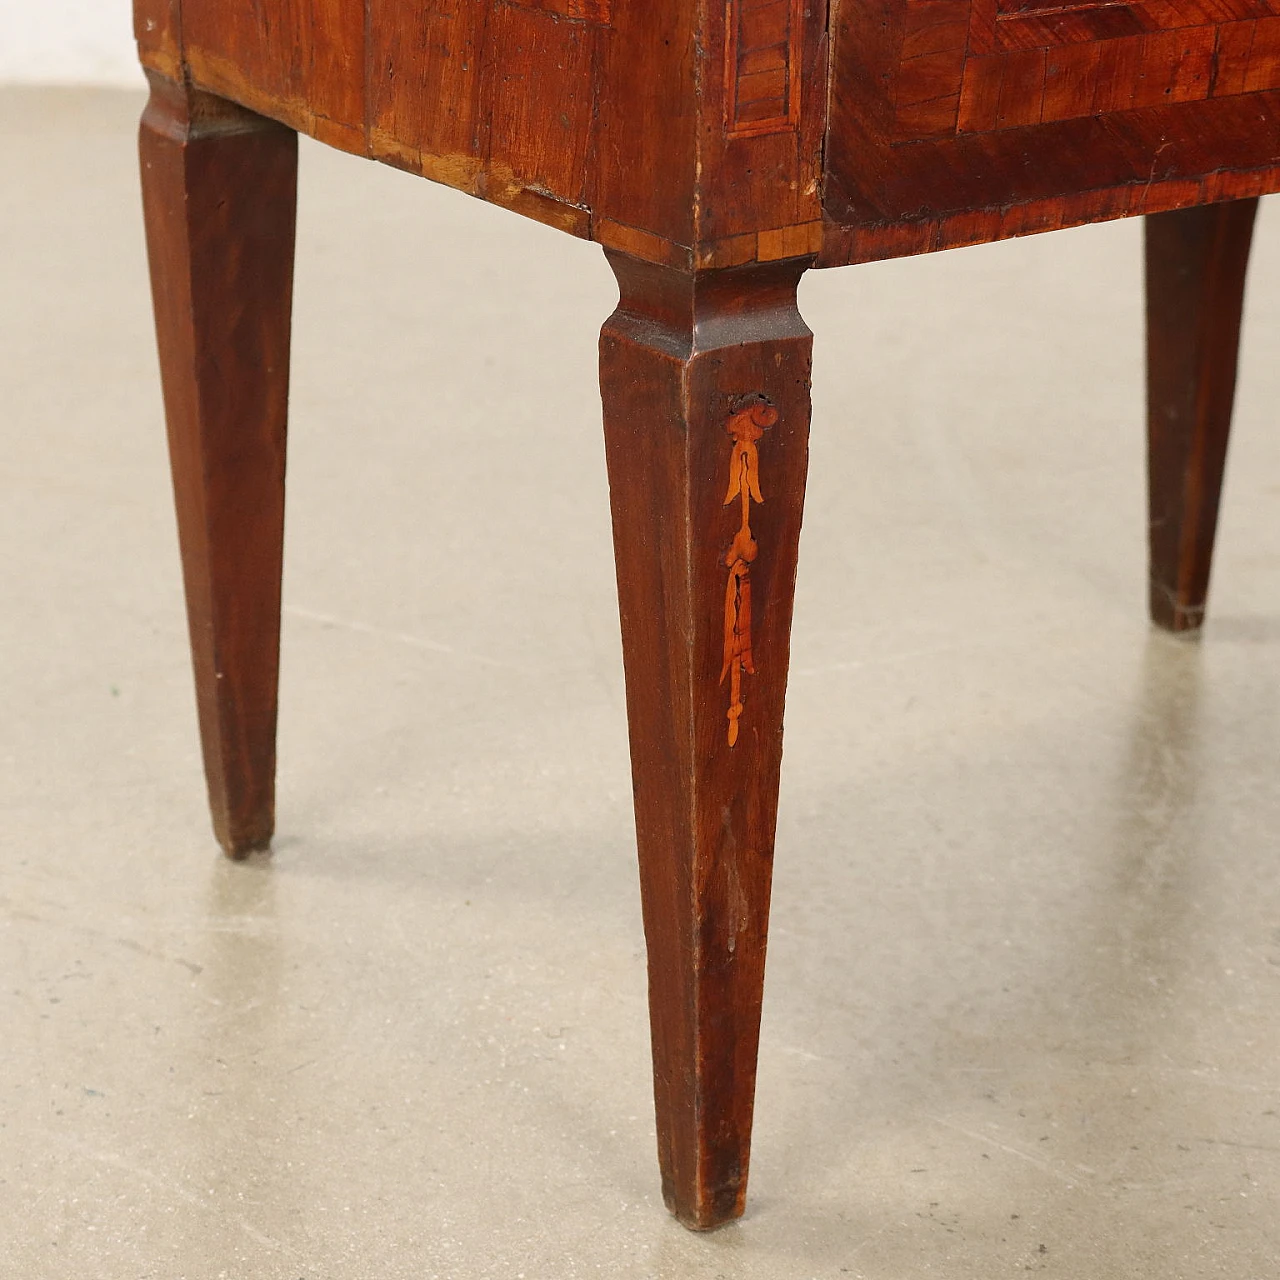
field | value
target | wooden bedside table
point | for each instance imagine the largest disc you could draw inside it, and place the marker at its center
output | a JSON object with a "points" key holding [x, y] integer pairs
{"points": [[717, 149]]}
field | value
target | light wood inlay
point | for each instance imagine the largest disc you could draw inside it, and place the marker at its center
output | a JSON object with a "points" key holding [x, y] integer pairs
{"points": [[747, 425]]}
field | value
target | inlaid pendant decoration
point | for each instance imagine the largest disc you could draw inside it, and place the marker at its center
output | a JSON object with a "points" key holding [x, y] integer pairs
{"points": [[748, 421]]}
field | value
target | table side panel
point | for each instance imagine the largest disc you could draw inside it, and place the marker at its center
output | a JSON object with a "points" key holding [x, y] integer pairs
{"points": [[675, 130], [504, 99]]}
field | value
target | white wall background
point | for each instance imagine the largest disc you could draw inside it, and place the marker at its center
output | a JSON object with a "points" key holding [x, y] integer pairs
{"points": [[68, 42]]}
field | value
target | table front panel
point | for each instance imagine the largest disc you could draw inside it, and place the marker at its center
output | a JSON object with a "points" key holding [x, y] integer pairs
{"points": [[945, 107]]}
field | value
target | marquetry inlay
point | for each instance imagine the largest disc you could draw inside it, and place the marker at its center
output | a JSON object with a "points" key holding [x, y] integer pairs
{"points": [[747, 424]]}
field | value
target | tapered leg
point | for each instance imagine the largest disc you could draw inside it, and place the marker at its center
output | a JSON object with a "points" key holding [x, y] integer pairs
{"points": [[705, 381], [219, 188], [1196, 263]]}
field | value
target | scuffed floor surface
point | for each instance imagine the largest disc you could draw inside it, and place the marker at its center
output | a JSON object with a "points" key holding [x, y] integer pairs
{"points": [[1023, 1012]]}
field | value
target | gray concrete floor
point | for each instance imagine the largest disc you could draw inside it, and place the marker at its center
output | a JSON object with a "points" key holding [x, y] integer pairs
{"points": [[1023, 1011]]}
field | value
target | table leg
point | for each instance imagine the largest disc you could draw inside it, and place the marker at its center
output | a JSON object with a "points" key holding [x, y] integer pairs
{"points": [[219, 186], [1196, 264], [705, 379]]}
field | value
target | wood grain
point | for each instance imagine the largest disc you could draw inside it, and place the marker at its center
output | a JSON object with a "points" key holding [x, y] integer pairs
{"points": [[219, 189], [1196, 262], [681, 358]]}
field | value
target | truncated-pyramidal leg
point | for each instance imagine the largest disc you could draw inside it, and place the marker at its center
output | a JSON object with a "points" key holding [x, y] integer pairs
{"points": [[705, 380], [219, 188]]}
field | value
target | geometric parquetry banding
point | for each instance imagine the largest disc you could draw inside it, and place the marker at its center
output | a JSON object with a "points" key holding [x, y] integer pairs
{"points": [[981, 66]]}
